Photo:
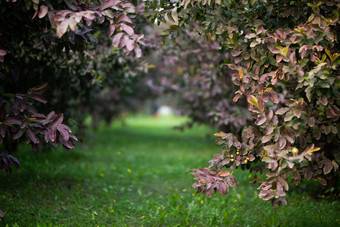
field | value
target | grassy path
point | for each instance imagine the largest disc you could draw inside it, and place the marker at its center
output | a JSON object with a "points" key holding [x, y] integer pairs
{"points": [[134, 175]]}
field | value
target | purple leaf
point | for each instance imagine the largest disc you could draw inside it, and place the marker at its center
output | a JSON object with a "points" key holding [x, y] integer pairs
{"points": [[130, 44], [282, 111], [108, 4], [32, 136], [7, 160], [267, 138], [73, 137], [117, 39], [38, 98], [13, 120], [261, 121], [51, 116], [138, 51], [64, 133], [68, 145], [57, 121], [124, 18], [50, 135], [288, 116], [112, 29], [24, 124], [126, 28], [18, 134]]}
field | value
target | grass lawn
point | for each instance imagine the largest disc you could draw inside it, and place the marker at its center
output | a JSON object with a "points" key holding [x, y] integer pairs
{"points": [[134, 175]]}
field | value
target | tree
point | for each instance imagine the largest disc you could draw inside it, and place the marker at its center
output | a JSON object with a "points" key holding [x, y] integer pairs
{"points": [[50, 46], [284, 58], [67, 50]]}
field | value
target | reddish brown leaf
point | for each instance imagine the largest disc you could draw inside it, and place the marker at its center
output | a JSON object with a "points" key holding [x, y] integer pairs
{"points": [[224, 173]]}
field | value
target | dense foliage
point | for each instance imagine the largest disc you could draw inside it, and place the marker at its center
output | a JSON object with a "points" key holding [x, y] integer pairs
{"points": [[69, 50], [284, 58], [66, 59], [264, 72]]}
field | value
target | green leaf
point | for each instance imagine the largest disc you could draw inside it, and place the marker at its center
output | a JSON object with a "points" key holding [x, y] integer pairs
{"points": [[324, 84], [169, 15], [329, 53], [253, 100], [309, 93], [283, 51], [174, 27]]}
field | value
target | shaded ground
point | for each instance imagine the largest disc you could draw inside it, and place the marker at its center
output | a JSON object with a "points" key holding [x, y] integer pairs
{"points": [[134, 175]]}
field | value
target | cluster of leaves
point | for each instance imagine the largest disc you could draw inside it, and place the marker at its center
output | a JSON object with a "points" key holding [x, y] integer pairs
{"points": [[20, 121], [40, 37], [79, 51], [284, 58]]}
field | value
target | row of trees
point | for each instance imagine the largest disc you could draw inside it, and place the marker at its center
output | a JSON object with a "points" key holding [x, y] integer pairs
{"points": [[265, 73]]}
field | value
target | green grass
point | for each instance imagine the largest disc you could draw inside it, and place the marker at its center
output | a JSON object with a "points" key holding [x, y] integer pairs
{"points": [[134, 175]]}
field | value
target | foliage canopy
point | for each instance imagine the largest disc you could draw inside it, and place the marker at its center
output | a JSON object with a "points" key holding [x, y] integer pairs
{"points": [[265, 73]]}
